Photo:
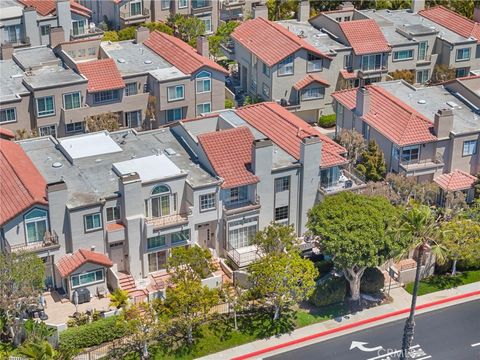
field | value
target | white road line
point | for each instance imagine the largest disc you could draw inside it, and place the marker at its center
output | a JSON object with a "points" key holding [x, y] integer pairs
{"points": [[473, 345], [394, 352], [426, 357]]}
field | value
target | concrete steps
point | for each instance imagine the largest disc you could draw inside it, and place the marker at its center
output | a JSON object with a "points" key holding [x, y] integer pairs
{"points": [[127, 283]]}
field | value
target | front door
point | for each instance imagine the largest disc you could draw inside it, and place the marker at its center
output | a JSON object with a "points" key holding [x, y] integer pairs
{"points": [[204, 235], [116, 255]]}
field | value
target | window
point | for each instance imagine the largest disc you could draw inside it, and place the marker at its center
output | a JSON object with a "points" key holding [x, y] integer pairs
{"points": [[36, 225], [175, 93], [313, 93], [266, 90], [92, 51], [113, 213], [200, 3], [8, 115], [48, 130], [253, 85], [203, 82], [461, 72], [422, 76], [71, 53], [78, 27], [133, 119], [371, 62], [266, 70], [463, 54], [182, 4], [329, 177], [157, 261], [410, 154], [422, 50], [165, 4], [365, 130], [314, 63], [203, 108], [131, 89], [92, 221], [236, 195], [285, 67], [160, 201], [281, 214], [403, 55], [180, 236], [174, 114], [71, 101], [346, 18], [74, 127], [241, 233], [207, 20], [135, 8], [45, 30], [207, 201], [156, 242], [469, 147], [395, 152], [81, 52], [13, 33], [282, 184], [105, 96], [347, 61], [45, 106], [87, 278]]}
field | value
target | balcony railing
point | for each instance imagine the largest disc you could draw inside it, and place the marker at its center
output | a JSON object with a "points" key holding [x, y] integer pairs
{"points": [[89, 32], [368, 72], [347, 181], [200, 4], [50, 241], [232, 3], [418, 164], [127, 15], [168, 221], [243, 256], [231, 209]]}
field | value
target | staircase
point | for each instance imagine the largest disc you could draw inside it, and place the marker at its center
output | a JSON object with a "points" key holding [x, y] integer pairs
{"points": [[127, 283]]}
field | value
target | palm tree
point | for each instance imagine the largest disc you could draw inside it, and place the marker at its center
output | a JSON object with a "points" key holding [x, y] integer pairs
{"points": [[420, 227], [119, 298], [38, 350]]}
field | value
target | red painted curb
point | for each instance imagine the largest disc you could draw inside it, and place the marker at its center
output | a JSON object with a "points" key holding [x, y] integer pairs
{"points": [[352, 325]]}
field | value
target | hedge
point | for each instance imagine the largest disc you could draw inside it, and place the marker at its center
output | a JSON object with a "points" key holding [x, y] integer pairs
{"points": [[329, 290], [372, 281], [95, 333], [327, 121], [324, 266]]}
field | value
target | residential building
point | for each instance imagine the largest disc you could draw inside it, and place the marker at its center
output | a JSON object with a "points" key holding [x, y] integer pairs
{"points": [[115, 204], [423, 132], [28, 22]]}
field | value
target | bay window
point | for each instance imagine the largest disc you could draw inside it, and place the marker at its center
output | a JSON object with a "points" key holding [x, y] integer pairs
{"points": [[371, 62], [241, 233]]}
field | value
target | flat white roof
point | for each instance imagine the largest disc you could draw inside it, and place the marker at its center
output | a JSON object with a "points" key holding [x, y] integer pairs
{"points": [[149, 168], [83, 146]]}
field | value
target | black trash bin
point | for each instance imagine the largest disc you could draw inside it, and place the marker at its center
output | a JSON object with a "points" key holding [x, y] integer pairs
{"points": [[83, 295]]}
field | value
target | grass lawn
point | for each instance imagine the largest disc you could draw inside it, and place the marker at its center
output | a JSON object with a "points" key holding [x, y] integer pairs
{"points": [[442, 282], [221, 334]]}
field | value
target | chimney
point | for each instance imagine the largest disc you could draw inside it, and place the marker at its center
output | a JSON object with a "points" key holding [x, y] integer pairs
{"points": [[347, 5], [417, 5], [202, 46], [141, 34], [64, 18], [6, 51], [476, 13], [262, 153], [30, 26], [260, 11], [303, 11], [443, 123], [362, 101], [57, 36]]}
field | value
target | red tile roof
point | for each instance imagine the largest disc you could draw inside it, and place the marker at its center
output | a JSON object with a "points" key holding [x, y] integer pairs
{"points": [[179, 54], [287, 131], [71, 262], [48, 7], [230, 153], [307, 80], [364, 36], [111, 227], [453, 21], [391, 117], [457, 180], [102, 75], [6, 133], [348, 74], [21, 185], [270, 41]]}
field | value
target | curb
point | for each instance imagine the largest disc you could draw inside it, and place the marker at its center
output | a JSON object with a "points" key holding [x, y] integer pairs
{"points": [[353, 325]]}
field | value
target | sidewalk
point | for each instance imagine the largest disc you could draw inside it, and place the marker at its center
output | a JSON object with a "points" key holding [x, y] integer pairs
{"points": [[401, 301]]}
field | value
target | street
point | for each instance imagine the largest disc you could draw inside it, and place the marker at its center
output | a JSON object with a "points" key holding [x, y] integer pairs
{"points": [[451, 333]]}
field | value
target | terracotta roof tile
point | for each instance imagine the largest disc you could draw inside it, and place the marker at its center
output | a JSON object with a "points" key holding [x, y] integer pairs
{"points": [[71, 262], [6, 133], [453, 21], [102, 75], [270, 41], [230, 153], [307, 80], [365, 36], [48, 7], [179, 54], [394, 119], [21, 185], [455, 181], [111, 227], [348, 74], [287, 131]]}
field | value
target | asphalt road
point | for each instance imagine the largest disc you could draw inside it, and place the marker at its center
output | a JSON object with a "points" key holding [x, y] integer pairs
{"points": [[445, 334]]}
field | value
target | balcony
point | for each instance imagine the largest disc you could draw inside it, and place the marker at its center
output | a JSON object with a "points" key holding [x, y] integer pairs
{"points": [[230, 4], [90, 32], [232, 209], [128, 18], [201, 5], [23, 42], [50, 241], [347, 181], [243, 256], [367, 73], [422, 166], [289, 105], [168, 221]]}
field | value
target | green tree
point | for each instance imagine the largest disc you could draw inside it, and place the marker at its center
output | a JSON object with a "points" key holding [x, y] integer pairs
{"points": [[119, 298], [275, 238], [352, 229], [37, 350], [461, 239], [188, 28], [110, 36], [159, 26], [37, 330], [127, 33], [191, 262], [281, 9], [214, 45], [22, 277], [372, 163]]}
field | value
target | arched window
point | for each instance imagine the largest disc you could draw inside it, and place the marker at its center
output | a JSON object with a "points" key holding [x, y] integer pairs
{"points": [[160, 202], [203, 82], [36, 224], [160, 189]]}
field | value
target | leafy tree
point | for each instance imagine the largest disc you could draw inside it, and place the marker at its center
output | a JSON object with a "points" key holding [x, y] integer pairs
{"points": [[127, 33], [106, 121], [476, 187], [392, 4], [38, 350], [187, 28], [442, 73], [21, 283], [275, 238], [110, 36], [236, 298], [353, 141], [191, 262], [159, 26], [461, 239], [372, 163], [407, 75], [281, 9], [119, 298], [37, 330], [229, 104], [214, 43], [353, 230], [221, 37]]}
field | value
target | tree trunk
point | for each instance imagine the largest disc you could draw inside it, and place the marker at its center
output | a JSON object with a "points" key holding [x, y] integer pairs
{"points": [[454, 267], [235, 319], [276, 316], [353, 277], [145, 354], [410, 323], [190, 335]]}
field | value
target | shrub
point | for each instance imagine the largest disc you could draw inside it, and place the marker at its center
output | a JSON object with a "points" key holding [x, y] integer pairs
{"points": [[327, 121], [329, 290], [372, 281], [324, 266], [407, 75], [229, 104], [95, 333], [127, 33], [472, 264], [110, 36], [160, 26]]}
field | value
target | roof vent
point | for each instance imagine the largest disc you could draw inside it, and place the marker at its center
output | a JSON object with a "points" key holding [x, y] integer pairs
{"points": [[121, 61], [421, 101], [57, 165], [170, 151], [147, 62]]}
